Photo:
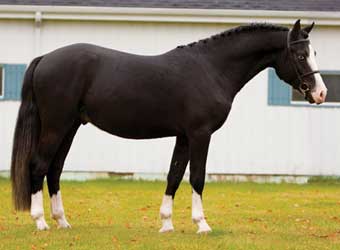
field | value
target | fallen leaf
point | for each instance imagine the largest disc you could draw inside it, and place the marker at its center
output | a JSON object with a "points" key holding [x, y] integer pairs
{"points": [[252, 220], [329, 236]]}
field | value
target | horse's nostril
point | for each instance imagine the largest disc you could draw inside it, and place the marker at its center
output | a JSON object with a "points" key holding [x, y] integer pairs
{"points": [[322, 94]]}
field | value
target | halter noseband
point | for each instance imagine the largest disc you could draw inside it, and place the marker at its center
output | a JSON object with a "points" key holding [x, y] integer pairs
{"points": [[298, 75]]}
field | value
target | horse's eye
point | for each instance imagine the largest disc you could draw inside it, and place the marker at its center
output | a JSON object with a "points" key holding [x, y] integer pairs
{"points": [[301, 57], [304, 86]]}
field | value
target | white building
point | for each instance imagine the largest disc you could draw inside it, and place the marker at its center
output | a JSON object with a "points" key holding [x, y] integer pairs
{"points": [[267, 131]]}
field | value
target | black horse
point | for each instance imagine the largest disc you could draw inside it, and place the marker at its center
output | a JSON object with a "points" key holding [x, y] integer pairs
{"points": [[186, 92]]}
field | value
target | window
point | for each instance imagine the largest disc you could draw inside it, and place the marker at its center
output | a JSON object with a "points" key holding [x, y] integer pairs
{"points": [[282, 94], [11, 78], [332, 81]]}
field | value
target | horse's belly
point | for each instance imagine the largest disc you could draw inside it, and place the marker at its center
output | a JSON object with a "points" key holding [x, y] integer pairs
{"points": [[133, 131], [134, 124]]}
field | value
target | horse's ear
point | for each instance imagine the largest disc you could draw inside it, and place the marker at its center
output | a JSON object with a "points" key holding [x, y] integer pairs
{"points": [[296, 30], [308, 28]]}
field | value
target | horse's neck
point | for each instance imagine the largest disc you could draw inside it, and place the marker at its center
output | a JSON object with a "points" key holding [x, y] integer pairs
{"points": [[243, 56]]}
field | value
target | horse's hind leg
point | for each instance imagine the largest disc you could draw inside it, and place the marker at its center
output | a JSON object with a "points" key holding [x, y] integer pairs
{"points": [[49, 142], [178, 165], [53, 178]]}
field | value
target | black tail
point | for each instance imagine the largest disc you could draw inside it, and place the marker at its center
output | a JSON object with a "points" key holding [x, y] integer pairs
{"points": [[26, 135]]}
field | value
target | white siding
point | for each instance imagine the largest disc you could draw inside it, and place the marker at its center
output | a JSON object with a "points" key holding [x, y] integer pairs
{"points": [[256, 138]]}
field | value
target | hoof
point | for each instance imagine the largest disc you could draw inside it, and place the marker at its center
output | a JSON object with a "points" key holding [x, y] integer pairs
{"points": [[166, 230], [61, 221], [167, 226], [42, 225], [204, 231], [203, 227], [63, 224]]}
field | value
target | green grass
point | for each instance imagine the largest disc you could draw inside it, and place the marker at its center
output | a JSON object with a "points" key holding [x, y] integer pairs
{"points": [[116, 214]]}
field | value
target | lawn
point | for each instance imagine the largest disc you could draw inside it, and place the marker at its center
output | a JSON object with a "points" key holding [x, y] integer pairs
{"points": [[118, 214]]}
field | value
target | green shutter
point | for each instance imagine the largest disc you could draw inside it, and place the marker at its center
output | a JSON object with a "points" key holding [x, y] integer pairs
{"points": [[13, 78], [279, 92]]}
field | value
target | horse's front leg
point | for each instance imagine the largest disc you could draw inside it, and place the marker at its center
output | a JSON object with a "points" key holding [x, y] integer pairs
{"points": [[178, 165], [199, 145]]}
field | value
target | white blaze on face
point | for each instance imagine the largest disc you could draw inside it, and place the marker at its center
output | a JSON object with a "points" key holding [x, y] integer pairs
{"points": [[320, 91], [58, 210], [37, 210]]}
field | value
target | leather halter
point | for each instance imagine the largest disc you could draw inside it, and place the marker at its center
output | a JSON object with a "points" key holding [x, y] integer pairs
{"points": [[299, 76]]}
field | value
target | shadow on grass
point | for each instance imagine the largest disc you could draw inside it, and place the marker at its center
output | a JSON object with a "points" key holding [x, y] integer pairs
{"points": [[220, 232]]}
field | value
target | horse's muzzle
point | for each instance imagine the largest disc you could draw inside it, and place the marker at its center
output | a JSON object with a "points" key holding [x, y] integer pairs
{"points": [[319, 96]]}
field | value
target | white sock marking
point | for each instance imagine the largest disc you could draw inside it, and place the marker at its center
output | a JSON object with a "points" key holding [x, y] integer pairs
{"points": [[319, 84], [37, 210], [166, 213], [57, 210], [197, 213]]}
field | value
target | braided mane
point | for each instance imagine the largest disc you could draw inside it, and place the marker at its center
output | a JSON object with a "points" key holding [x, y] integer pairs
{"points": [[240, 29]]}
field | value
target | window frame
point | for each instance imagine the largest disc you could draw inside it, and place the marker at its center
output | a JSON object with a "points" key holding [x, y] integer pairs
{"points": [[325, 104], [2, 93], [280, 93]]}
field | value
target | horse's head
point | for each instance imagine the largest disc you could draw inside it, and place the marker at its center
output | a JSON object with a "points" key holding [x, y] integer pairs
{"points": [[296, 65]]}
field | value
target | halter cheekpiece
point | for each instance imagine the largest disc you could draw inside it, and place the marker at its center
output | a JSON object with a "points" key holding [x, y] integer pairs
{"points": [[298, 75]]}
